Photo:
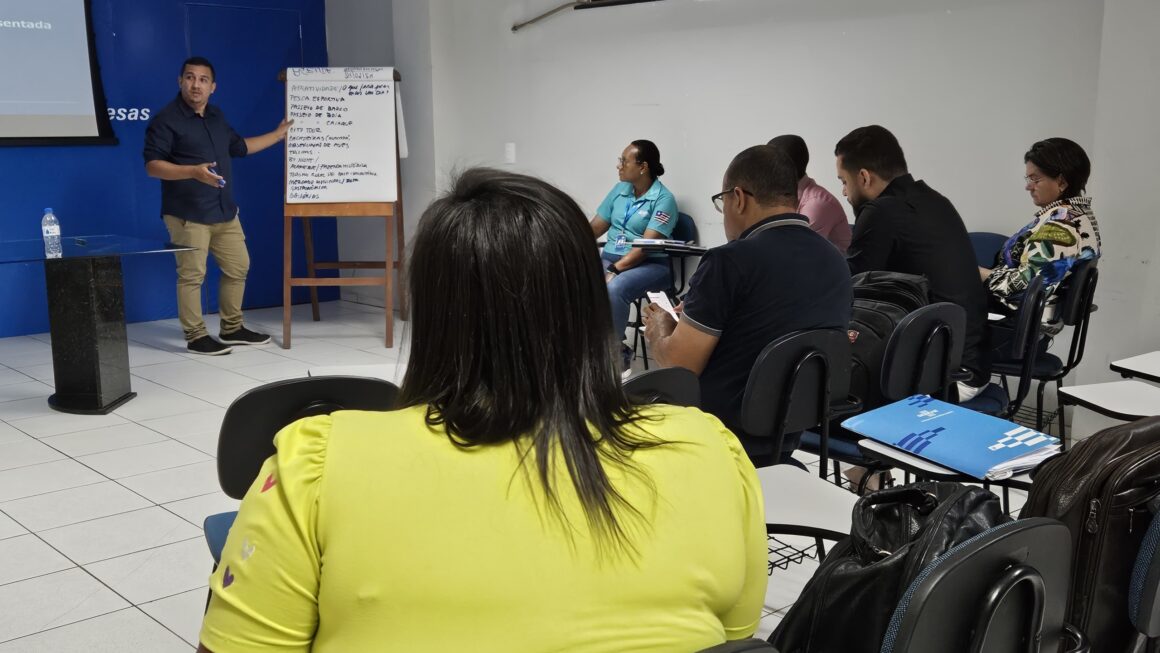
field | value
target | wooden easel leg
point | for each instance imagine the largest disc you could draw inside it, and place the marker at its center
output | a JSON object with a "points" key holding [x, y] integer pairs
{"points": [[287, 225], [308, 238], [401, 258], [389, 286]]}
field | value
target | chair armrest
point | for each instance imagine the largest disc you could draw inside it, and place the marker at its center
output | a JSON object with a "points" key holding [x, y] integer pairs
{"points": [[848, 406]]}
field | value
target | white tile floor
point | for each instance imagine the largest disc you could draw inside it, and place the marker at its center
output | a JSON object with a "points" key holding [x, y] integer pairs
{"points": [[101, 546]]}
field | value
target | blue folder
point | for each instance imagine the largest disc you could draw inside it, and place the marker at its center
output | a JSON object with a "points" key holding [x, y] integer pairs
{"points": [[966, 441]]}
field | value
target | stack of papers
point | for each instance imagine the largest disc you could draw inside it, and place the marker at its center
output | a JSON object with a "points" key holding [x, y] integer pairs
{"points": [[659, 241], [975, 444]]}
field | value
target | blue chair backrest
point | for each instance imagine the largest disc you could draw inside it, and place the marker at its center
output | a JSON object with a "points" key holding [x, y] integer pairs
{"points": [[1144, 588], [966, 595], [986, 245], [686, 229]]}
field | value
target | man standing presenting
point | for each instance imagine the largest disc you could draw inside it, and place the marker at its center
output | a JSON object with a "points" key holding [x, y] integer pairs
{"points": [[188, 146]]}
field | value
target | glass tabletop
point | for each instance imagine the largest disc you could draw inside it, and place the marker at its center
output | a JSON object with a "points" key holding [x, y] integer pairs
{"points": [[24, 251]]}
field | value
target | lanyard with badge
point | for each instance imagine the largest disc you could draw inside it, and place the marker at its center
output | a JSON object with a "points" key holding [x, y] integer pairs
{"points": [[621, 241]]}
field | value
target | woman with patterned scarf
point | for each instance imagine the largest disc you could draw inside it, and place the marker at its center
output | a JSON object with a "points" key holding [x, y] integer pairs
{"points": [[1063, 232]]}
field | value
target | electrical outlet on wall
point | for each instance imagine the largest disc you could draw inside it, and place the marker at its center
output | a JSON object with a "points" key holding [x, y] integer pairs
{"points": [[509, 152]]}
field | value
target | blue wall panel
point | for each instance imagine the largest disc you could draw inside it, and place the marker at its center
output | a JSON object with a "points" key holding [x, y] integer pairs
{"points": [[103, 189]]}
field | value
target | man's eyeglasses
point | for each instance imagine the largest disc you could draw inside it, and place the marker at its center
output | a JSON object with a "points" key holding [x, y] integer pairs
{"points": [[719, 199], [1031, 179]]}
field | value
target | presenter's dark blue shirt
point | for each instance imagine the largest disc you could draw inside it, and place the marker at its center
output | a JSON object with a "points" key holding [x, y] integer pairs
{"points": [[178, 135], [780, 276]]}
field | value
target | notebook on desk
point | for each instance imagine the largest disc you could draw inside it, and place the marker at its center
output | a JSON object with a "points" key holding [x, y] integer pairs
{"points": [[957, 438]]}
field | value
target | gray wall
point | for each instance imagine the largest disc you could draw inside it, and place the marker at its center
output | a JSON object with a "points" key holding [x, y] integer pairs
{"points": [[361, 33]]}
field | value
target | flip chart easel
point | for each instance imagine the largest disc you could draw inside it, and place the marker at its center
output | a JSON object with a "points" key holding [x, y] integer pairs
{"points": [[335, 113]]}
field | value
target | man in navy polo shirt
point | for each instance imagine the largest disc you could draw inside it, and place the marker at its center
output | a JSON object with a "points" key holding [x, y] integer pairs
{"points": [[188, 146], [773, 277]]}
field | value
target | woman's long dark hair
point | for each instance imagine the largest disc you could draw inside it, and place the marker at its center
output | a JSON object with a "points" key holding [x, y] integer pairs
{"points": [[510, 336]]}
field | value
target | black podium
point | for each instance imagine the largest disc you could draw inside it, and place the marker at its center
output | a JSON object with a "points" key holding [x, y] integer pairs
{"points": [[86, 313]]}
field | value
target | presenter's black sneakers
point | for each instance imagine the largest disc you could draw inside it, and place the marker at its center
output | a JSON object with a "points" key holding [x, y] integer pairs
{"points": [[244, 336], [207, 346]]}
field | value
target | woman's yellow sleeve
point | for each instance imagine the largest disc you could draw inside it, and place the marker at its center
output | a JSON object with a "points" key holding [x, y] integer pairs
{"points": [[265, 590]]}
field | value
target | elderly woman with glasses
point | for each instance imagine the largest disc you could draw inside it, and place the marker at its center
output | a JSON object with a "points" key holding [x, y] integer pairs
{"points": [[1063, 232], [638, 206]]}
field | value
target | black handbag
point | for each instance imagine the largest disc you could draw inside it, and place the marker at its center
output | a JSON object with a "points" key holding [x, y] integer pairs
{"points": [[847, 605]]}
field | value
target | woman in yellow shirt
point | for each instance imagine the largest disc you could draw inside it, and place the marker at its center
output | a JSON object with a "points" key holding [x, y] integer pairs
{"points": [[517, 502]]}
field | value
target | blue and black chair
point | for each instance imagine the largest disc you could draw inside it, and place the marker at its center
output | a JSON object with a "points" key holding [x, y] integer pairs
{"points": [[1076, 297], [1144, 593], [922, 356], [684, 231], [986, 245], [1019, 356], [791, 388], [1002, 591], [247, 433]]}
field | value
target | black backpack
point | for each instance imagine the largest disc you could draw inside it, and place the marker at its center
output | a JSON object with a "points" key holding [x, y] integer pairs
{"points": [[1104, 490], [881, 300], [846, 607]]}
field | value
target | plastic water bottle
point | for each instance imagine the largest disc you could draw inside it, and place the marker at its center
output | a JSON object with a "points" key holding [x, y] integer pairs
{"points": [[50, 227]]}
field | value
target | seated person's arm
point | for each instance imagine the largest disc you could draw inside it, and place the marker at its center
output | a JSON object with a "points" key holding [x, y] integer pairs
{"points": [[599, 226], [871, 242], [1041, 250], [704, 314], [602, 221], [674, 344], [636, 256]]}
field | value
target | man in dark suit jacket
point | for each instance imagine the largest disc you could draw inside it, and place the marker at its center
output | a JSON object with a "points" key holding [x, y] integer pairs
{"points": [[903, 225]]}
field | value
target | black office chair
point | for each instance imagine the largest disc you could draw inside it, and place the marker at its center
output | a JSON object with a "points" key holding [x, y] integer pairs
{"points": [[742, 646], [986, 245], [1075, 308], [922, 356], [686, 231], [670, 385], [790, 388], [995, 399], [1144, 593], [247, 433], [792, 385], [1003, 591]]}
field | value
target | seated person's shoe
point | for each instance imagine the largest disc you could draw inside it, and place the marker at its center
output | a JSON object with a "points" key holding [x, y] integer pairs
{"points": [[626, 356], [207, 346], [244, 336]]}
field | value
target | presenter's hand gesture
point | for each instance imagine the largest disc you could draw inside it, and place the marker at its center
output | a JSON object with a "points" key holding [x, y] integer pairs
{"points": [[283, 127], [204, 173]]}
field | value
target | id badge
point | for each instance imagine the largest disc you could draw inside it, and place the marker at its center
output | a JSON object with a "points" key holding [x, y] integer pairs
{"points": [[621, 242]]}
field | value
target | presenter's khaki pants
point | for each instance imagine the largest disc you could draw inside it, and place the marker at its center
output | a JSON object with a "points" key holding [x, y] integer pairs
{"points": [[227, 243]]}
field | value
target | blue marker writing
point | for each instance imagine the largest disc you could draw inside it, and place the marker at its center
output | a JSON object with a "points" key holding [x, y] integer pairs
{"points": [[221, 182]]}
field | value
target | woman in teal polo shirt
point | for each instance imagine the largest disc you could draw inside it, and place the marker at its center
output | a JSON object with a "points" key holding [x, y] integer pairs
{"points": [[638, 207]]}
